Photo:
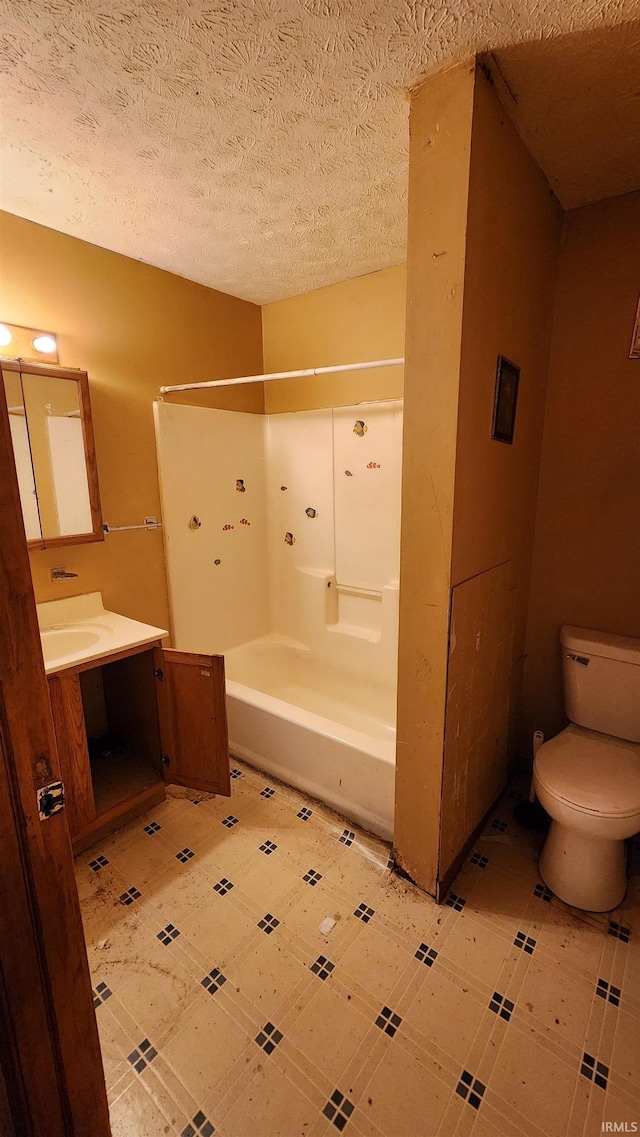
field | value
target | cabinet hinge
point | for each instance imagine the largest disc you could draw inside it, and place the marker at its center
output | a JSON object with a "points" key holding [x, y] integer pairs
{"points": [[166, 760], [158, 672], [50, 800]]}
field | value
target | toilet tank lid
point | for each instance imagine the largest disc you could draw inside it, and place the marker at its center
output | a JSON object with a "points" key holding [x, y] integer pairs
{"points": [[585, 641]]}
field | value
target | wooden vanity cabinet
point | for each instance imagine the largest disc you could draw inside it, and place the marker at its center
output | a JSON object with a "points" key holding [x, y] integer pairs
{"points": [[168, 710]]}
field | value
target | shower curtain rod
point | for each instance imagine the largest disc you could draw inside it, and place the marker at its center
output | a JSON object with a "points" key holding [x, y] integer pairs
{"points": [[304, 374]]}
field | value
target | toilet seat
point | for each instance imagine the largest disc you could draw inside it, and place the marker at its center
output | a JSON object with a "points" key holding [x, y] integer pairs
{"points": [[594, 773]]}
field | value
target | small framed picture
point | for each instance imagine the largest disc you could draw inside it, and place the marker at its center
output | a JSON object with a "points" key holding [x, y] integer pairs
{"points": [[505, 400], [634, 350]]}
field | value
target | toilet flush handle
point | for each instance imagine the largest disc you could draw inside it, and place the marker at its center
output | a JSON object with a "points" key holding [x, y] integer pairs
{"points": [[582, 659]]}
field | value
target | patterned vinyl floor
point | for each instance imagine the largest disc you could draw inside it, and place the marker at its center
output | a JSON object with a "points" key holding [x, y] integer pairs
{"points": [[259, 971]]}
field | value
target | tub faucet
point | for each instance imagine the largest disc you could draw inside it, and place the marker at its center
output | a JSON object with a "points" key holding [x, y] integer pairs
{"points": [[62, 574]]}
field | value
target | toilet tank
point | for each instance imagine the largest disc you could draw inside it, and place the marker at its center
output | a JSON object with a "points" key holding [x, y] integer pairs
{"points": [[601, 677]]}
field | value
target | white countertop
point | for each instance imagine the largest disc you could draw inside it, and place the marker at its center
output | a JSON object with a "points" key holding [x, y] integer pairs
{"points": [[80, 629]]}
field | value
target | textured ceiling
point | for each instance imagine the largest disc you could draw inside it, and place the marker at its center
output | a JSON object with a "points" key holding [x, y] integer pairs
{"points": [[576, 103], [257, 146]]}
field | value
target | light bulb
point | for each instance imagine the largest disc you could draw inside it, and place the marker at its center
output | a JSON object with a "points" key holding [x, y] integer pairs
{"points": [[45, 344], [5, 335]]}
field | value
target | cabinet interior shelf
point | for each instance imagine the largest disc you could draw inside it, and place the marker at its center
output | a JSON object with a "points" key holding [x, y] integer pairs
{"points": [[120, 777]]}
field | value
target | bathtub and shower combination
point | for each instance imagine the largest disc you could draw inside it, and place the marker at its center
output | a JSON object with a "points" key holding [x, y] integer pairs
{"points": [[282, 544]]}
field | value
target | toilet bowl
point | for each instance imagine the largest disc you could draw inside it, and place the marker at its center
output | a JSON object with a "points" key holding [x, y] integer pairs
{"points": [[589, 784], [587, 778]]}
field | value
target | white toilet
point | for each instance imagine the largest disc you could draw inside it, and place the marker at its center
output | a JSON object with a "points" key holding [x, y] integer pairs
{"points": [[588, 776]]}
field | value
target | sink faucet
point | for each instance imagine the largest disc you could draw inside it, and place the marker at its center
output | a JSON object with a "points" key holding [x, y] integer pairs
{"points": [[62, 574]]}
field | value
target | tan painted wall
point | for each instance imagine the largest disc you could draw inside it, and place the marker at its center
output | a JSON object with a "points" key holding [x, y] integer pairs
{"points": [[343, 323], [440, 147], [133, 328], [586, 568], [513, 239], [483, 240]]}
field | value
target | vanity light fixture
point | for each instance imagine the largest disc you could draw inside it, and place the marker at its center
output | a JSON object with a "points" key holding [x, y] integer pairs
{"points": [[32, 345], [45, 344]]}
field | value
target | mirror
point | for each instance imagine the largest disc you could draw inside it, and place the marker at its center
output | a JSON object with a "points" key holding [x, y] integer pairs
{"points": [[52, 435]]}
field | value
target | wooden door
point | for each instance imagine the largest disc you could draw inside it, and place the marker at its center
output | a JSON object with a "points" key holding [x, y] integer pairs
{"points": [[71, 738], [193, 720], [50, 1058]]}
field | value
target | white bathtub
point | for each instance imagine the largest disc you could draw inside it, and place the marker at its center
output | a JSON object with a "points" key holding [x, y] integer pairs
{"points": [[316, 727]]}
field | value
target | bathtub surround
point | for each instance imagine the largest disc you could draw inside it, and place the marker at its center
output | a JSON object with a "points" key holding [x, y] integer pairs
{"points": [[201, 456], [331, 574], [482, 247], [293, 574]]}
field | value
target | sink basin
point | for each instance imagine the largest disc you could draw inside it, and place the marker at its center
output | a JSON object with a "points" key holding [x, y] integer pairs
{"points": [[58, 643], [79, 630]]}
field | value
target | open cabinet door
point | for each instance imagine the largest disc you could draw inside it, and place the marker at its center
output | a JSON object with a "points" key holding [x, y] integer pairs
{"points": [[193, 720], [51, 1076]]}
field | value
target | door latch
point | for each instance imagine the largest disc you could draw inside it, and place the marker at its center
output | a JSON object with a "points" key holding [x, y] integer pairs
{"points": [[50, 800], [158, 672]]}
